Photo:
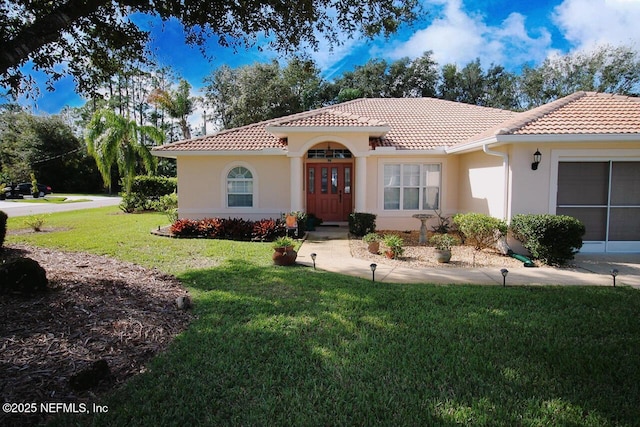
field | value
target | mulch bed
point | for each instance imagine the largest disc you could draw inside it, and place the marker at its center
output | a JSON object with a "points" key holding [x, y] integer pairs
{"points": [[97, 309]]}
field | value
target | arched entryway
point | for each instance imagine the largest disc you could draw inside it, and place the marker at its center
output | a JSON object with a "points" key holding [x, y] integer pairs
{"points": [[329, 182]]}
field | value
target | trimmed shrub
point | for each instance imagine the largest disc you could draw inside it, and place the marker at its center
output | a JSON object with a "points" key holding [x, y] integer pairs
{"points": [[154, 187], [479, 230], [147, 194], [166, 202], [553, 239], [235, 229], [22, 275], [3, 227], [268, 229], [361, 223], [209, 227], [185, 228], [135, 202], [229, 228]]}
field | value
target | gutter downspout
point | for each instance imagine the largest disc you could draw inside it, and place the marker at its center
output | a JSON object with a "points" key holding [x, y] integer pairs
{"points": [[505, 159]]}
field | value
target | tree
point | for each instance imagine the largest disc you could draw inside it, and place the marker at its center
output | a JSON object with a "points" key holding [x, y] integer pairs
{"points": [[369, 80], [113, 139], [500, 88], [46, 146], [450, 87], [257, 92], [423, 76], [91, 37], [604, 69], [177, 103]]}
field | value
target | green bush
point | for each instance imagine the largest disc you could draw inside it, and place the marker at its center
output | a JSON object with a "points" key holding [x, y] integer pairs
{"points": [[149, 193], [361, 223], [3, 227], [553, 239], [154, 187], [135, 202], [166, 202], [479, 230]]}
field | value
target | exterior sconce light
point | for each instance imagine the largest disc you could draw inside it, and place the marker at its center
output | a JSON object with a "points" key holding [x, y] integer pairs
{"points": [[614, 273], [373, 272], [537, 156], [328, 153], [313, 258], [504, 273]]}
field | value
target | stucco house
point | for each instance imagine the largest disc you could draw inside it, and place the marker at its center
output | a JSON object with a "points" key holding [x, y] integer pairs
{"points": [[400, 157]]}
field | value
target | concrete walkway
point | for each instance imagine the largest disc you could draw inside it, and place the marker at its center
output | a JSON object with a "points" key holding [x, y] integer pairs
{"points": [[17, 208], [331, 246]]}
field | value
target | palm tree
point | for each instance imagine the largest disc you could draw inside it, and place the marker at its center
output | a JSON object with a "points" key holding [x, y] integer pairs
{"points": [[176, 103], [113, 139]]}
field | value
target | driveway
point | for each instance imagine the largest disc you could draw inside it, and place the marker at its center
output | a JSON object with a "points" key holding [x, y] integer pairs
{"points": [[17, 208]]}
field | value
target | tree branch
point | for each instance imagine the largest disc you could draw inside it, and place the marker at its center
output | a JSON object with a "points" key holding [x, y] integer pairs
{"points": [[44, 30]]}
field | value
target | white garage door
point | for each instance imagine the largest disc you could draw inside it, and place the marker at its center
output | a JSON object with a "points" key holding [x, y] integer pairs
{"points": [[605, 196]]}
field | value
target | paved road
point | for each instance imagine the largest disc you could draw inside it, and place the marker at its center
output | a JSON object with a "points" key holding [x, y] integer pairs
{"points": [[16, 208]]}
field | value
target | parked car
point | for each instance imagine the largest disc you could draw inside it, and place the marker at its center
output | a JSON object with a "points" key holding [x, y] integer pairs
{"points": [[24, 188], [16, 191]]}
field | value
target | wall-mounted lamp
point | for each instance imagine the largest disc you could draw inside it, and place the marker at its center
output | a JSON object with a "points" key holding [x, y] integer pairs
{"points": [[537, 156], [373, 272], [504, 273], [313, 258], [614, 273], [328, 153]]}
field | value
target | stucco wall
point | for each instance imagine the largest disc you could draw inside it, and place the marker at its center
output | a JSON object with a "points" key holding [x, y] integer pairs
{"points": [[481, 184], [202, 186]]}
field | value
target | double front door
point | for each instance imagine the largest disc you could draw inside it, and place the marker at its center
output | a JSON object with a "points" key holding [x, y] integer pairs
{"points": [[329, 188]]}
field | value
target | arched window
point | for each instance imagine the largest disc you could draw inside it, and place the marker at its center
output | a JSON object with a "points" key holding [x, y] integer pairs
{"points": [[239, 188]]}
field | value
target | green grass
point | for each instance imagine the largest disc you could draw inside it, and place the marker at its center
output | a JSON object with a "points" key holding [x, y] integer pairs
{"points": [[297, 346]]}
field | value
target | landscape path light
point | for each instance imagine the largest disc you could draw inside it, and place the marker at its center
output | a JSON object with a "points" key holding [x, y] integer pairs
{"points": [[504, 273], [313, 258], [614, 274], [373, 271]]}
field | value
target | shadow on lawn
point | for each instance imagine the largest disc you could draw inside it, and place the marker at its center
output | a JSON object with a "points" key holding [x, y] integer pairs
{"points": [[295, 346]]}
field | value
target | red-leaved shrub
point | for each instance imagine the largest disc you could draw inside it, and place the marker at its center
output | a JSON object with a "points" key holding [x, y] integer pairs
{"points": [[185, 228]]}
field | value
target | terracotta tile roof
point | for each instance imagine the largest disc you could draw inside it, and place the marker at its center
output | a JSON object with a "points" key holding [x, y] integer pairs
{"points": [[582, 113], [247, 138], [415, 124], [329, 118], [426, 123]]}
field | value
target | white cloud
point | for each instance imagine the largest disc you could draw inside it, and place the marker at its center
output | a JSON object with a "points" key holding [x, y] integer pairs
{"points": [[457, 36], [587, 23]]}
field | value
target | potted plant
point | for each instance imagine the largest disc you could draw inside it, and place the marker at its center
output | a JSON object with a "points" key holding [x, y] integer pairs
{"points": [[373, 242], [394, 244], [284, 254], [443, 243]]}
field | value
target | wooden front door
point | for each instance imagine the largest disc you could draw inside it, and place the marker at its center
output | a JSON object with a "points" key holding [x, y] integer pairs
{"points": [[329, 190]]}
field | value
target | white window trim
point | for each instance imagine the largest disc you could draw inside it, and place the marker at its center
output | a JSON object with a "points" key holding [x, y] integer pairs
{"points": [[404, 161], [225, 194]]}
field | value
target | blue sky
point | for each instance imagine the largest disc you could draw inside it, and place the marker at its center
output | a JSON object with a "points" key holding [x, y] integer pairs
{"points": [[506, 32]]}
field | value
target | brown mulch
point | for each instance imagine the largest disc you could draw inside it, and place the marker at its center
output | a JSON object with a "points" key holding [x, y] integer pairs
{"points": [[97, 308], [422, 255]]}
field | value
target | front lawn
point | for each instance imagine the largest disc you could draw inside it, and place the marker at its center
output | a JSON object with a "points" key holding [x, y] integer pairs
{"points": [[297, 346]]}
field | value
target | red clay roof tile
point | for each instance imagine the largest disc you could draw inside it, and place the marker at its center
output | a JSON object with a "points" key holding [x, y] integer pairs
{"points": [[415, 124]]}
